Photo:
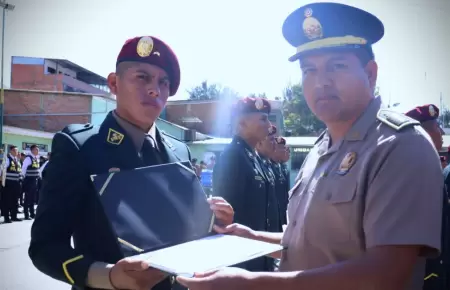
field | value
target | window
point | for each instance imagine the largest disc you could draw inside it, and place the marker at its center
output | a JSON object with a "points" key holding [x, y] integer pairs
{"points": [[51, 70]]}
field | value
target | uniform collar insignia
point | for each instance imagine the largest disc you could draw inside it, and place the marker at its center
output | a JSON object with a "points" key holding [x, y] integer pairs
{"points": [[114, 137]]}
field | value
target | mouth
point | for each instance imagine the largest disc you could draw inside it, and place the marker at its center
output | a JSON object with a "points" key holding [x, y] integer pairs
{"points": [[150, 102], [327, 98]]}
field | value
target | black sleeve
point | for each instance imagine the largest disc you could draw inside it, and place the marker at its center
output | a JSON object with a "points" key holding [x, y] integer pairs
{"points": [[229, 182], [65, 187]]}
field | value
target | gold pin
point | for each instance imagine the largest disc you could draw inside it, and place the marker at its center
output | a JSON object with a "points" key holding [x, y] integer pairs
{"points": [[145, 46], [311, 26], [347, 163]]}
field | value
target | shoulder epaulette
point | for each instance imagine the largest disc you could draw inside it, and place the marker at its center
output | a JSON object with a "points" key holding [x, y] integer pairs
{"points": [[77, 128], [80, 132], [396, 120], [320, 137], [170, 136]]}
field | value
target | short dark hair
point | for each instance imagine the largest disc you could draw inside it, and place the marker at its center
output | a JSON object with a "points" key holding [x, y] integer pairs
{"points": [[34, 146], [123, 66], [12, 147]]}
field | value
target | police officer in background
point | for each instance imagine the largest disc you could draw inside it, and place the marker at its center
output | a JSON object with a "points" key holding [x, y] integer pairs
{"points": [[31, 176], [437, 270], [239, 174], [428, 116], [12, 189], [147, 73], [365, 211]]}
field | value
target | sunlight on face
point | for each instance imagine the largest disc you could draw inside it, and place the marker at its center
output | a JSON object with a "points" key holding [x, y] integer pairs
{"points": [[336, 85]]}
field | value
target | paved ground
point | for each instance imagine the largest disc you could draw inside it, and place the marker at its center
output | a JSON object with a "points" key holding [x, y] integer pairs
{"points": [[16, 270]]}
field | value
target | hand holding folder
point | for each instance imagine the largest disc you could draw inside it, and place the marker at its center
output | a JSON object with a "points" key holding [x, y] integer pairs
{"points": [[161, 215]]}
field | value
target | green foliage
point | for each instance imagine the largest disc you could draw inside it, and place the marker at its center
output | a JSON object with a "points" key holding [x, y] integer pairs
{"points": [[298, 118]]}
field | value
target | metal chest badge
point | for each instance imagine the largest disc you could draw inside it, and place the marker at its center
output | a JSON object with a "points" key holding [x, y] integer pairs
{"points": [[145, 46], [311, 26], [114, 137], [347, 163], [432, 111]]}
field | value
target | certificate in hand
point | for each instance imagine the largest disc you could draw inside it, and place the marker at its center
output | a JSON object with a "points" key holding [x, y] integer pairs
{"points": [[160, 214]]}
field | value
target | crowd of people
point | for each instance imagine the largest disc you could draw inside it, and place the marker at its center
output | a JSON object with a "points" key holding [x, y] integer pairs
{"points": [[21, 181]]}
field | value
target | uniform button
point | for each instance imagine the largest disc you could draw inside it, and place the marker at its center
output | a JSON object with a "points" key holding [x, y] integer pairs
{"points": [[294, 223]]}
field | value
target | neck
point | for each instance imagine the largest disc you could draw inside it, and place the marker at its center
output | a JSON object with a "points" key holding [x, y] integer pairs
{"points": [[338, 130], [250, 141], [129, 118]]}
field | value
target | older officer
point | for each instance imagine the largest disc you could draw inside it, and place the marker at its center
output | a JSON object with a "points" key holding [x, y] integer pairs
{"points": [[239, 175], [366, 206], [147, 73]]}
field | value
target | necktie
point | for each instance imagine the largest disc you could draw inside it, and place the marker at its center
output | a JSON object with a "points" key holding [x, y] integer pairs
{"points": [[150, 154]]}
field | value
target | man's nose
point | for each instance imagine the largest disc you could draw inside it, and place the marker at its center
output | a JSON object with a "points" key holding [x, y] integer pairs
{"points": [[322, 80], [153, 91]]}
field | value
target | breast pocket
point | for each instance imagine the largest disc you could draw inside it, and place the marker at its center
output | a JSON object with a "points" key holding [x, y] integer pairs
{"points": [[331, 213]]}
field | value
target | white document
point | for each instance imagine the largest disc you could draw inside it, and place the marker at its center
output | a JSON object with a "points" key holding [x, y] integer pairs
{"points": [[206, 254]]}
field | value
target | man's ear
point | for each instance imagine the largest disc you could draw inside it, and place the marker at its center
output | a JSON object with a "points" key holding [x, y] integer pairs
{"points": [[112, 83], [371, 70]]}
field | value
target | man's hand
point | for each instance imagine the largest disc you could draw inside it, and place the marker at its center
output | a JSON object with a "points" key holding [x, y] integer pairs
{"points": [[227, 278], [134, 275], [236, 230], [223, 211]]}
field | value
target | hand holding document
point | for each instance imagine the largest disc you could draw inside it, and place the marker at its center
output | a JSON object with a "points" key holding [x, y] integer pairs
{"points": [[168, 224]]}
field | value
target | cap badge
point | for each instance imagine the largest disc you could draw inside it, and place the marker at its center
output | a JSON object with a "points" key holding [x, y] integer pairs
{"points": [[432, 111], [114, 137], [259, 104], [145, 46], [347, 163], [311, 26]]}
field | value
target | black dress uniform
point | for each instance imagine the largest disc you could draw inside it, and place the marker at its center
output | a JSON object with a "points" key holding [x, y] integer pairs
{"points": [[240, 178], [12, 189], [69, 205], [281, 188], [31, 186]]}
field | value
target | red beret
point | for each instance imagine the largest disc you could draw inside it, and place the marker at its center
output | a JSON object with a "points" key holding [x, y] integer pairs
{"points": [[424, 113], [272, 130], [249, 105], [149, 49], [281, 141]]}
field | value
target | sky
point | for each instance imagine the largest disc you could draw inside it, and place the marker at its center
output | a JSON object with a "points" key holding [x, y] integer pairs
{"points": [[237, 44]]}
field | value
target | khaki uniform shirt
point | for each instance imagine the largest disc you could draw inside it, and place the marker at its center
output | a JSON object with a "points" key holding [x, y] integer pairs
{"points": [[136, 134], [378, 186]]}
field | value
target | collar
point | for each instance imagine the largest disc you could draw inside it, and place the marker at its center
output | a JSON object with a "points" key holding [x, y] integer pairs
{"points": [[135, 133], [362, 125], [357, 132]]}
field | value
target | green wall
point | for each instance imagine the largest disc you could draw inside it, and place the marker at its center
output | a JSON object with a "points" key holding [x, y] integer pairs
{"points": [[17, 140]]}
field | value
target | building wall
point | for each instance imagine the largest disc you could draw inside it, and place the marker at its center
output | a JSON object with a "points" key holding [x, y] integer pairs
{"points": [[32, 74], [19, 140], [100, 108], [34, 109]]}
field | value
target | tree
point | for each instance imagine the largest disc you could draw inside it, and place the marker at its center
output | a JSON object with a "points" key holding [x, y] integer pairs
{"points": [[444, 118], [298, 118], [212, 92], [260, 95], [204, 92]]}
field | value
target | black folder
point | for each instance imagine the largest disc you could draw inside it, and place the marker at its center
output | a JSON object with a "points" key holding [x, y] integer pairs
{"points": [[154, 207], [160, 214]]}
